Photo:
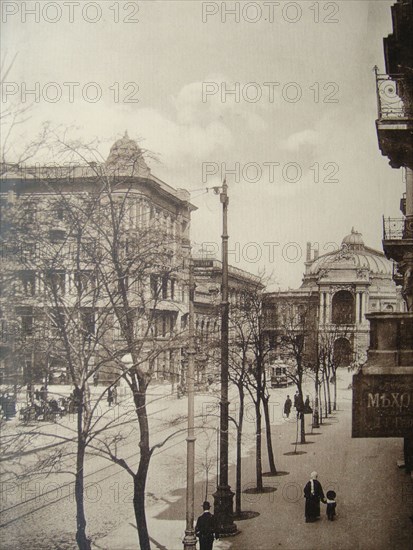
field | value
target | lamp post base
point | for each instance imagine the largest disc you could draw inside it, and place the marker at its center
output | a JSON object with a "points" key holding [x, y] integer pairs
{"points": [[223, 511], [189, 540]]}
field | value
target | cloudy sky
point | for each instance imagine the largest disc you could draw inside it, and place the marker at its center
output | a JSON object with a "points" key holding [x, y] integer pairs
{"points": [[299, 129]]}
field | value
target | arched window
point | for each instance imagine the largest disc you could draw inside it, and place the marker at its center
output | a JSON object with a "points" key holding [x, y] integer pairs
{"points": [[343, 352], [343, 308]]}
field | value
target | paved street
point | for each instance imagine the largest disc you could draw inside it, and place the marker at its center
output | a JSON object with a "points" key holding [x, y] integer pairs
{"points": [[374, 497], [373, 512]]}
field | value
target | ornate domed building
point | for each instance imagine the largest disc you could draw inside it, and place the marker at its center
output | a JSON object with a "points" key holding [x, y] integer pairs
{"points": [[341, 287], [351, 282]]}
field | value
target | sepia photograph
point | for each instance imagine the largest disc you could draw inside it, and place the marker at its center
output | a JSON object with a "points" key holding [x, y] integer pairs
{"points": [[206, 284]]}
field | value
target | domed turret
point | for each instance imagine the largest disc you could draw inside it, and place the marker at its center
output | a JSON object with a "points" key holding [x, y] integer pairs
{"points": [[126, 158], [354, 240], [353, 254]]}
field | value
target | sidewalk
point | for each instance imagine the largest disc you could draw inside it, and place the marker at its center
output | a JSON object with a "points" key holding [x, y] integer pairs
{"points": [[374, 497]]}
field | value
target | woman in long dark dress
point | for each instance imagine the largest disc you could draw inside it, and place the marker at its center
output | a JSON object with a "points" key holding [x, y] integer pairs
{"points": [[313, 493]]}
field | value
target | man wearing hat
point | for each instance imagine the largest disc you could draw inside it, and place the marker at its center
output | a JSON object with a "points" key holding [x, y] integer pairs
{"points": [[205, 528]]}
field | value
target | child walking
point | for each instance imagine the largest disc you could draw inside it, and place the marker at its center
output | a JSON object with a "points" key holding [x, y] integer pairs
{"points": [[331, 505]]}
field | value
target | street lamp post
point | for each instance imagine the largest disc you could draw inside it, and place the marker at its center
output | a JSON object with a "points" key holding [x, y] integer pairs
{"points": [[223, 497], [190, 538]]}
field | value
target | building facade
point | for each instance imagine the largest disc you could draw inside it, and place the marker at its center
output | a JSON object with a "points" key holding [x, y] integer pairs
{"points": [[383, 390], [46, 200], [338, 290], [207, 309]]}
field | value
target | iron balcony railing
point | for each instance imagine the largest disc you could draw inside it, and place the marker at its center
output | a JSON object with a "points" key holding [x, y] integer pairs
{"points": [[394, 96], [395, 229]]}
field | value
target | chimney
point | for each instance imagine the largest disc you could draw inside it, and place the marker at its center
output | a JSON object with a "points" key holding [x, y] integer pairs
{"points": [[308, 259]]}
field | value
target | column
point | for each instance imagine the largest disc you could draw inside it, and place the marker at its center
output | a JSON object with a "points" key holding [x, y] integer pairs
{"points": [[328, 308], [363, 298], [409, 192], [358, 316], [321, 309]]}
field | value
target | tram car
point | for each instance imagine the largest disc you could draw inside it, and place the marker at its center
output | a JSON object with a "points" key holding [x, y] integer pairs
{"points": [[279, 375]]}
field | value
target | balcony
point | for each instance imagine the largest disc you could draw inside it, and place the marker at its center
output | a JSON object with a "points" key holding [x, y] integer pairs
{"points": [[397, 237], [395, 118]]}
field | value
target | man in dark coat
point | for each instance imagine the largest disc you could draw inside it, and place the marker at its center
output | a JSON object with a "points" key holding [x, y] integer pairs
{"points": [[205, 528], [287, 406], [298, 404], [313, 493], [307, 408]]}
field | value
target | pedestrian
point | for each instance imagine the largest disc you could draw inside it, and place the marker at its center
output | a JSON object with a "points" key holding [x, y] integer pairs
{"points": [[331, 505], [298, 404], [287, 406], [115, 395], [313, 493], [29, 394], [110, 397], [43, 394], [307, 408], [96, 379], [205, 528]]}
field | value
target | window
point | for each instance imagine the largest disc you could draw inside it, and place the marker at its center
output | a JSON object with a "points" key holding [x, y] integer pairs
{"points": [[343, 308], [26, 320], [172, 289], [57, 235], [88, 321], [83, 281], [342, 352], [30, 213], [155, 286], [125, 281], [184, 321], [117, 331], [29, 250], [164, 288], [56, 320], [56, 281], [59, 213], [28, 282]]}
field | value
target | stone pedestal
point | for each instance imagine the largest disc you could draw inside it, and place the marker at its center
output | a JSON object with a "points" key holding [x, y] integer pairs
{"points": [[391, 340], [383, 389]]}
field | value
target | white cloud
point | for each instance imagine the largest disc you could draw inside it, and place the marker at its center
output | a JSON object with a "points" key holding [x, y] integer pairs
{"points": [[297, 140]]}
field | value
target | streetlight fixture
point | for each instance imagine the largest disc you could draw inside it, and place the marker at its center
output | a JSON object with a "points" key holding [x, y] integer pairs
{"points": [[223, 497]]}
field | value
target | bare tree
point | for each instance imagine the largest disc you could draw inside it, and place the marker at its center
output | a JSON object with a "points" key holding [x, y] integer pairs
{"points": [[101, 270], [254, 348], [333, 351], [296, 324]]}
